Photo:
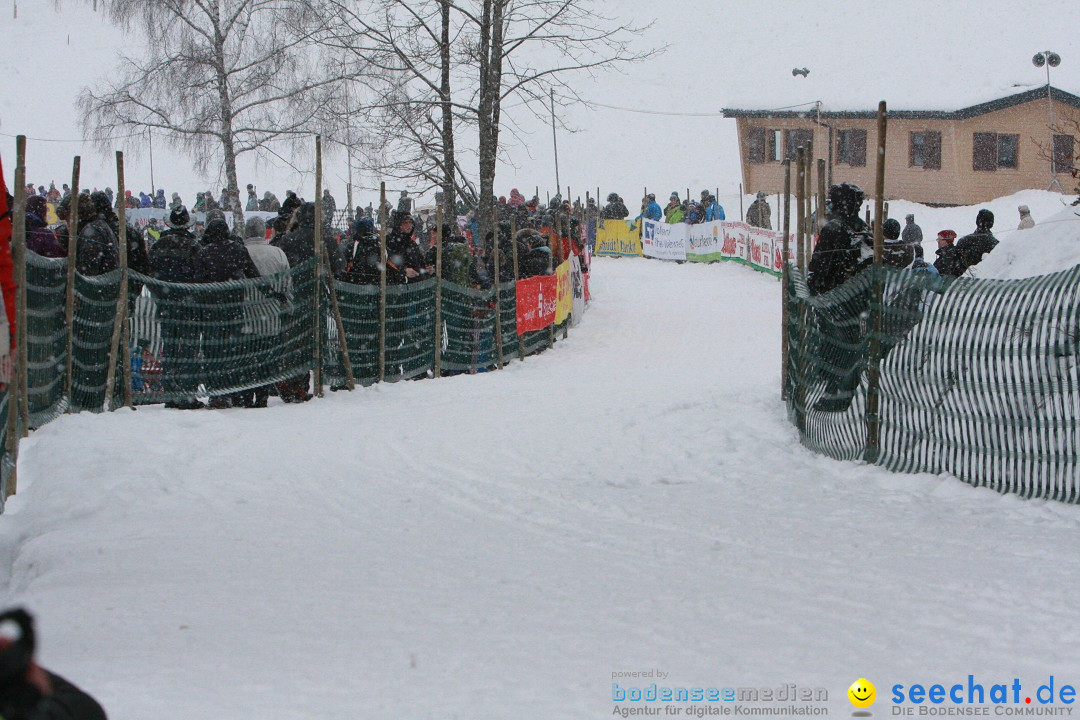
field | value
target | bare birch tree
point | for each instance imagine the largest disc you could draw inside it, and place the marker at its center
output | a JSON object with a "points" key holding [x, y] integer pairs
{"points": [[457, 63], [219, 78]]}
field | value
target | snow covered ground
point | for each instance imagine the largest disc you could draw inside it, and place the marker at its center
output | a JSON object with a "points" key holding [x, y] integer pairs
{"points": [[497, 546]]}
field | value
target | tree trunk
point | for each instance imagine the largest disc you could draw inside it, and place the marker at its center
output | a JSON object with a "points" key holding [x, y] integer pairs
{"points": [[490, 90], [447, 116], [227, 140]]}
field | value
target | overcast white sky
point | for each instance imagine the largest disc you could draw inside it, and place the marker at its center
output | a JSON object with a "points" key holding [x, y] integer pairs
{"points": [[917, 54]]}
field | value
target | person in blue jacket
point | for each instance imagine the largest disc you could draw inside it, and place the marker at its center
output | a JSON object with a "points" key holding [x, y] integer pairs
{"points": [[650, 209], [713, 209]]}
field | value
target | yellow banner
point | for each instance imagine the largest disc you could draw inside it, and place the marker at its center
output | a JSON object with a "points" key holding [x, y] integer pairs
{"points": [[565, 293], [616, 238]]}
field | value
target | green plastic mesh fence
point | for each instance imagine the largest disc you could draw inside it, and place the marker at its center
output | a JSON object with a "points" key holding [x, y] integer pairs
{"points": [[192, 340], [410, 319], [46, 339], [94, 319], [978, 378], [468, 317]]}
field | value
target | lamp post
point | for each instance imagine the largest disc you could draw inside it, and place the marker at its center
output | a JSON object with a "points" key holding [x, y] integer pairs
{"points": [[803, 72], [1050, 59]]}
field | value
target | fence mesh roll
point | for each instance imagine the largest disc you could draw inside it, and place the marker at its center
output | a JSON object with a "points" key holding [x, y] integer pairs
{"points": [[46, 337], [979, 378]]}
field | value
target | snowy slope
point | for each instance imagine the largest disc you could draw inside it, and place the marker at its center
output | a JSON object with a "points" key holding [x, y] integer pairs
{"points": [[498, 545]]}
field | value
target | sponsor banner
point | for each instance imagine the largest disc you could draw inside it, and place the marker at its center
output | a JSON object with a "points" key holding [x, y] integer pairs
{"points": [[761, 249], [705, 241], [662, 241], [565, 292], [577, 282], [536, 301], [616, 238]]}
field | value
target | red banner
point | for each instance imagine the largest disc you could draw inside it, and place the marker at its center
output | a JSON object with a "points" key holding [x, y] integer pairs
{"points": [[537, 298]]}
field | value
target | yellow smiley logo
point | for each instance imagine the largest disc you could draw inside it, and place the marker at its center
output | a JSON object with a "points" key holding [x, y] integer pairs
{"points": [[862, 693]]}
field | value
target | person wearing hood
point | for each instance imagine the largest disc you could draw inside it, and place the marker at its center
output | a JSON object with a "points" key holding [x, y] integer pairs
{"points": [[896, 252], [405, 261], [130, 202], [145, 200], [159, 200], [292, 202], [516, 198], [969, 250], [39, 238], [175, 201], [137, 257], [713, 210], [759, 214], [362, 263], [223, 258], [912, 233], [252, 199], [673, 213], [96, 250]]}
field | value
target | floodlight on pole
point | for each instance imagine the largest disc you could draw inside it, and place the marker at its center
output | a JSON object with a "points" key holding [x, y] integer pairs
{"points": [[1049, 59]]}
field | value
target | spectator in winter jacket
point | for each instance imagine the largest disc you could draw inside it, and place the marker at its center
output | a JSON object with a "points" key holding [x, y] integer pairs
{"points": [[53, 196], [673, 206], [405, 261], [175, 201], [844, 248], [145, 201], [362, 260], [1026, 221], [222, 257], [759, 214], [96, 250], [615, 208], [405, 203], [173, 260], [650, 209], [129, 201], [896, 252], [694, 214], [269, 203], [28, 691], [264, 305], [713, 210], [252, 199], [912, 234], [39, 238], [329, 207], [969, 250], [159, 200], [200, 203], [291, 203], [516, 198]]}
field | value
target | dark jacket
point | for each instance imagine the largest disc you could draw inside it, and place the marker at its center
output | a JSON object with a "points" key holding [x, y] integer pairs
{"points": [[172, 258], [23, 701], [839, 254], [42, 240], [402, 252], [759, 214], [969, 250], [223, 257], [897, 254], [615, 211], [96, 251]]}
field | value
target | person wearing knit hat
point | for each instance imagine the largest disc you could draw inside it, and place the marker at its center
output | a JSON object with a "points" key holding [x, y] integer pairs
{"points": [[946, 238], [1026, 221]]}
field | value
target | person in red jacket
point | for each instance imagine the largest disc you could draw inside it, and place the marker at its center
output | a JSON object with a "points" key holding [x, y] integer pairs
{"points": [[7, 278]]}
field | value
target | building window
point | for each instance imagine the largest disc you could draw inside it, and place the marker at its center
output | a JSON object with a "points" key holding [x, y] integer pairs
{"points": [[1063, 153], [991, 151], [925, 150], [794, 139], [851, 147], [765, 145], [756, 145], [775, 146]]}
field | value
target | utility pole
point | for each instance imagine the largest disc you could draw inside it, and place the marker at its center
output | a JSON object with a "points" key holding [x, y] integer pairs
{"points": [[554, 141]]}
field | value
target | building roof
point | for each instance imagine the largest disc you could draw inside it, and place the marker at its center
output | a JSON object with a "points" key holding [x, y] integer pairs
{"points": [[982, 108]]}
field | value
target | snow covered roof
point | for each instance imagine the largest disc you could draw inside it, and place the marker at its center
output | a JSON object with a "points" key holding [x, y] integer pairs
{"points": [[981, 108]]}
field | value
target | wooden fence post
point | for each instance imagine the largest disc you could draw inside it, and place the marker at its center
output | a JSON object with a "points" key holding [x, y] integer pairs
{"points": [[117, 344], [873, 374], [316, 296], [514, 249], [18, 247], [784, 279], [438, 291], [69, 303], [346, 361], [498, 305], [382, 280]]}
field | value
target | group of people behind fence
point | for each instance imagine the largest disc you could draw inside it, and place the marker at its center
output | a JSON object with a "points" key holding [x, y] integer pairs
{"points": [[845, 248], [201, 332]]}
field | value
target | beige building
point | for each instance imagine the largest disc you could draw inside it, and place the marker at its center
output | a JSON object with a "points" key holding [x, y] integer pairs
{"points": [[958, 157]]}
